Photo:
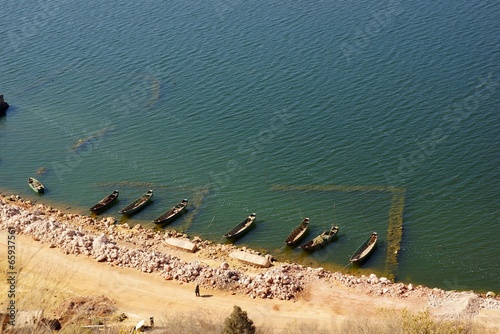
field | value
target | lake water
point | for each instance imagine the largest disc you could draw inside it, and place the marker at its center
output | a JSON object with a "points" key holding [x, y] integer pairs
{"points": [[288, 109]]}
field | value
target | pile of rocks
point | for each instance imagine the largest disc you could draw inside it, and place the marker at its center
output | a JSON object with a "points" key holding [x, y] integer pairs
{"points": [[142, 249], [57, 229], [281, 282]]}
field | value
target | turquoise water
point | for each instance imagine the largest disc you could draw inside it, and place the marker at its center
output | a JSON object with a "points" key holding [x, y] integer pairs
{"points": [[219, 101]]}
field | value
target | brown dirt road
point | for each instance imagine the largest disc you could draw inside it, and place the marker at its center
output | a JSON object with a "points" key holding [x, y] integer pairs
{"points": [[46, 277]]}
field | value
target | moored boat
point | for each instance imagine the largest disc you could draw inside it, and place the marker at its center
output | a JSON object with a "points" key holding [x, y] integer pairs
{"points": [[321, 239], [365, 249], [298, 233], [241, 228], [106, 202], [172, 213], [137, 204], [36, 185]]}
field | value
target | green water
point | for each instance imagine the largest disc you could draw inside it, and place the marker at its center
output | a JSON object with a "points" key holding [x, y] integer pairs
{"points": [[219, 101]]}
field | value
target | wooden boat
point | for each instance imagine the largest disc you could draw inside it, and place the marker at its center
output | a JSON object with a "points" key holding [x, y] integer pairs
{"points": [[298, 233], [241, 228], [365, 249], [321, 239], [36, 185], [137, 204], [106, 202], [173, 213]]}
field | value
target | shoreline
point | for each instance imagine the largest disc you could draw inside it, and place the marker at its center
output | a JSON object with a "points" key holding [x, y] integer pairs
{"points": [[122, 220], [145, 251]]}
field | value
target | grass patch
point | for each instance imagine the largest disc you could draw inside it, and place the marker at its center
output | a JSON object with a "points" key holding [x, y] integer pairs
{"points": [[388, 322]]}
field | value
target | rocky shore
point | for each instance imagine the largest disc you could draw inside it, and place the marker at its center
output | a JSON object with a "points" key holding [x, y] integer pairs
{"points": [[145, 250]]}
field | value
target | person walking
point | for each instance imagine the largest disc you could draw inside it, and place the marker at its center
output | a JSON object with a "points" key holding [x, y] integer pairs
{"points": [[197, 290]]}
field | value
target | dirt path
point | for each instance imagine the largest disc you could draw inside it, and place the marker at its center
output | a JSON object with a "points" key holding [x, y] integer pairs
{"points": [[47, 277]]}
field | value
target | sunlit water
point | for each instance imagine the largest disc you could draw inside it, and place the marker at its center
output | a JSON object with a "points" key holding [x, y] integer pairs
{"points": [[221, 101]]}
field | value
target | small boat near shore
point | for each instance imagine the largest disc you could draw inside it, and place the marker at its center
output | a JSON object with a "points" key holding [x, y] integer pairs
{"points": [[298, 233], [365, 249], [36, 185], [241, 228], [106, 202], [321, 239], [137, 204], [172, 213]]}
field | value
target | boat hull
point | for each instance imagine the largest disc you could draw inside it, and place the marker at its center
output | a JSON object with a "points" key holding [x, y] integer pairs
{"points": [[365, 250], [298, 233], [138, 204], [241, 229], [105, 203], [321, 240], [168, 220], [36, 185], [172, 214]]}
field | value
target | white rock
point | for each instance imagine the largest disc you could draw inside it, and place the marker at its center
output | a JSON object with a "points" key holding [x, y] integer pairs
{"points": [[99, 242], [101, 258]]}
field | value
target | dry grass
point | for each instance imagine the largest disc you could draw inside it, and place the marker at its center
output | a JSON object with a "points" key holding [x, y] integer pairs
{"points": [[45, 290], [199, 321], [406, 322], [38, 292], [390, 322], [48, 292]]}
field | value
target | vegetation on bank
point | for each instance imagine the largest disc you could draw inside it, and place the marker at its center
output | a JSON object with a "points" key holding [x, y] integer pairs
{"points": [[238, 322]]}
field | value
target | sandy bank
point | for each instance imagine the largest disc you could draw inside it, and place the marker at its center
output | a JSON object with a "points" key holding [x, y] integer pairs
{"points": [[62, 254]]}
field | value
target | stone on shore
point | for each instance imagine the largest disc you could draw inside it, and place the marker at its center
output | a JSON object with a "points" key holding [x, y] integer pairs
{"points": [[142, 249], [252, 259], [181, 244]]}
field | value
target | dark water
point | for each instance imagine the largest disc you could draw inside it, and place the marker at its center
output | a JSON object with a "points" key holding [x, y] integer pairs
{"points": [[222, 101]]}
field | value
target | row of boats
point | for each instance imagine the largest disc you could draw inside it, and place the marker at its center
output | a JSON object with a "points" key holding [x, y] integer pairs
{"points": [[166, 217], [293, 239]]}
